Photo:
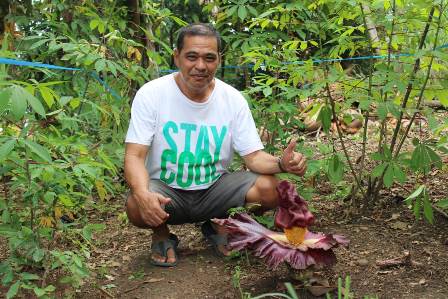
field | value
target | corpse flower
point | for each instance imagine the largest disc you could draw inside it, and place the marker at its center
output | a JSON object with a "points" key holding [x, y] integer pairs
{"points": [[297, 246]]}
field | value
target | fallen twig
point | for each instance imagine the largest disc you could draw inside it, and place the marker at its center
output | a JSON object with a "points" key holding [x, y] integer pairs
{"points": [[398, 261], [142, 283], [404, 260], [107, 293]]}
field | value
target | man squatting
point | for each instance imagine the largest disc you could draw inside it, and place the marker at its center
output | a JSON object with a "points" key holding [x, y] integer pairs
{"points": [[183, 131]]}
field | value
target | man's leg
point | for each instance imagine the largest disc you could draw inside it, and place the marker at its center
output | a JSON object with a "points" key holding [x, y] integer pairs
{"points": [[159, 233], [264, 192]]}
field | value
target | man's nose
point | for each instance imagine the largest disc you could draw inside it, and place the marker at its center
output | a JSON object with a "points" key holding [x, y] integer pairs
{"points": [[200, 64]]}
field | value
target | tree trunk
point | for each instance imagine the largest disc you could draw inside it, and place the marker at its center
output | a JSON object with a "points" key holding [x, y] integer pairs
{"points": [[4, 11]]}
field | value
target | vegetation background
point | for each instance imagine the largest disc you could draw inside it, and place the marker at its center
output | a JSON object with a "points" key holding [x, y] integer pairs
{"points": [[377, 68]]}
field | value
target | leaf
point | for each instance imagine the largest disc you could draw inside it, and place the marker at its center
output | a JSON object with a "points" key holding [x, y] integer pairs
{"points": [[335, 169], [5, 96], [38, 44], [378, 170], [267, 91], [18, 101], [231, 10], [38, 254], [47, 95], [443, 203], [100, 64], [100, 189], [39, 150], [6, 148], [12, 292], [325, 118], [29, 276], [242, 12], [39, 292], [398, 173], [65, 200], [93, 24], [36, 105], [382, 111], [291, 290], [427, 209], [89, 228], [388, 178], [415, 194], [416, 208]]}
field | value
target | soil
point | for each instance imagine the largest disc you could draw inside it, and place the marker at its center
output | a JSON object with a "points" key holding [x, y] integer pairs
{"points": [[389, 232]]}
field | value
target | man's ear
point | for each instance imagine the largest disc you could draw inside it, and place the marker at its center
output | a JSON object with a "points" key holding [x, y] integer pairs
{"points": [[176, 57]]}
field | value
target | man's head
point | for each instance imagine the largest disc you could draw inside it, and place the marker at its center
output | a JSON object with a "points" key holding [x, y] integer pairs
{"points": [[197, 57], [199, 29]]}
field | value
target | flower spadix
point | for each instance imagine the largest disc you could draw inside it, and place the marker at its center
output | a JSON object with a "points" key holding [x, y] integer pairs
{"points": [[297, 246]]}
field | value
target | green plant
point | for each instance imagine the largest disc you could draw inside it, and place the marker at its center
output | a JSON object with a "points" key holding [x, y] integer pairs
{"points": [[295, 73], [236, 282], [291, 293]]}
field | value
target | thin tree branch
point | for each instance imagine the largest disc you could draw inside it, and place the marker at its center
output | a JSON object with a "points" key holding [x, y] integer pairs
{"points": [[420, 97]]}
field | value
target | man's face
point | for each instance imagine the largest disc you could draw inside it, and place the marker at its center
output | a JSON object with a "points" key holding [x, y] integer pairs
{"points": [[197, 62]]}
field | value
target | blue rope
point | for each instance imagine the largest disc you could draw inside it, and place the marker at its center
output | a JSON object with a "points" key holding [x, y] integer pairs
{"points": [[301, 62], [36, 64], [56, 67], [116, 96]]}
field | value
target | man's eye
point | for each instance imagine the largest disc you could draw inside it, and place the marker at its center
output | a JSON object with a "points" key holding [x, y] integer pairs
{"points": [[210, 58], [191, 57]]}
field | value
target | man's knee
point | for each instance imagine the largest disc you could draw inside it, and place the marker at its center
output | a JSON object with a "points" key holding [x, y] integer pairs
{"points": [[264, 191], [133, 213]]}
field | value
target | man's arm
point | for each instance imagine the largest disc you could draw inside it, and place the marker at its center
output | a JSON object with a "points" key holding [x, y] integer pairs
{"points": [[264, 163], [136, 175]]}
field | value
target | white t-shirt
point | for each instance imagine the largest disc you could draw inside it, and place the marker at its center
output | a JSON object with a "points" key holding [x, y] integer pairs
{"points": [[192, 144]]}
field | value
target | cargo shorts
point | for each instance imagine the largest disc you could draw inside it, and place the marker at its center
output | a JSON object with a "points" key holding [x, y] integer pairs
{"points": [[191, 206]]}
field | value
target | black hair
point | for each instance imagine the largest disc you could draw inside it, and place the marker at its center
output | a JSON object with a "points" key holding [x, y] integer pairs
{"points": [[198, 29]]}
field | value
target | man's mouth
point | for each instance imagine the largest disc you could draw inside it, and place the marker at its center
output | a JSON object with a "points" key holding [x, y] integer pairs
{"points": [[199, 75]]}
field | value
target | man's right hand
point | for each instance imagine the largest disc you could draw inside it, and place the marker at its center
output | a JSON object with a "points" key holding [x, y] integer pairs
{"points": [[151, 207]]}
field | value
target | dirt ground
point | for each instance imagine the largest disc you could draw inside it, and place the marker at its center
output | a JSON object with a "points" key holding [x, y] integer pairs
{"points": [[390, 231]]}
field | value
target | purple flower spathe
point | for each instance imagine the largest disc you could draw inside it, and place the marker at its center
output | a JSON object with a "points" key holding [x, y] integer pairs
{"points": [[246, 233], [292, 208]]}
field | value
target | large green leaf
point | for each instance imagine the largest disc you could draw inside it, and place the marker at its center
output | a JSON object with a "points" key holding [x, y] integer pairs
{"points": [[20, 96], [415, 194], [18, 101], [388, 178], [47, 94], [443, 203], [427, 209], [325, 117], [5, 96], [39, 150], [242, 12], [6, 148], [335, 169], [13, 290]]}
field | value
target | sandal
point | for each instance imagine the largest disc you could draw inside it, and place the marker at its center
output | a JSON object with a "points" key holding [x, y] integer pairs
{"points": [[213, 238], [161, 247]]}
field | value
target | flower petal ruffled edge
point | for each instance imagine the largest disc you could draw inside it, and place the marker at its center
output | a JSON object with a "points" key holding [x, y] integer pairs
{"points": [[246, 233]]}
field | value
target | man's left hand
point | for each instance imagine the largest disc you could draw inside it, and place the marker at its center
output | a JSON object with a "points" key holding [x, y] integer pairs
{"points": [[292, 161]]}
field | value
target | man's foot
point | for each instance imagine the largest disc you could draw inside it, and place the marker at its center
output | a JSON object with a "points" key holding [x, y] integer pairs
{"points": [[216, 235], [164, 250]]}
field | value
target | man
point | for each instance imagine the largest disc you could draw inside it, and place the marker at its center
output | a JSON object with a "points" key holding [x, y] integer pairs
{"points": [[183, 131]]}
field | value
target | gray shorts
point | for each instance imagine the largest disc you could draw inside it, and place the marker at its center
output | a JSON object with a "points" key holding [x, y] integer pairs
{"points": [[190, 206]]}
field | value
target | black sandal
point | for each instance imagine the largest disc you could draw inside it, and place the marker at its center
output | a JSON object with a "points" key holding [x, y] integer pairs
{"points": [[161, 247], [213, 238]]}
